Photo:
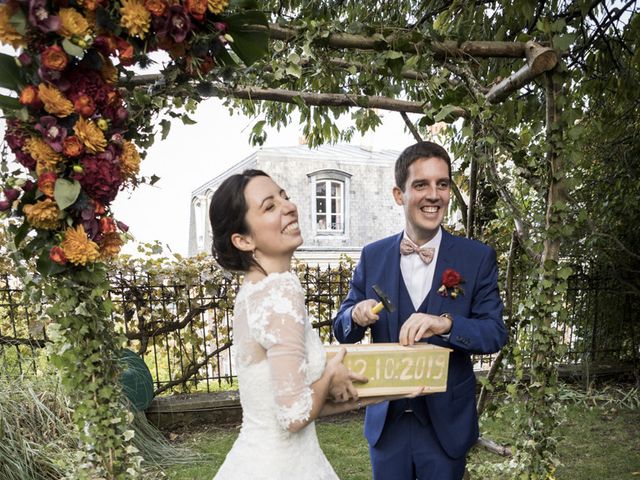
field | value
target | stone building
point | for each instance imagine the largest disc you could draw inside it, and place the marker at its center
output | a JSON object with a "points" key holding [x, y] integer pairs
{"points": [[343, 194]]}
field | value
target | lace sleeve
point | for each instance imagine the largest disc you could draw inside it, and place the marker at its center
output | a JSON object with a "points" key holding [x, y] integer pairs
{"points": [[277, 322]]}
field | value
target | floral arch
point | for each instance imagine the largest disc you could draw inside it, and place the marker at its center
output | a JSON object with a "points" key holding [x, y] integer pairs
{"points": [[80, 130]]}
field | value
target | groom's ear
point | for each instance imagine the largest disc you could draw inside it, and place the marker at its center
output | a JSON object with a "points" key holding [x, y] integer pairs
{"points": [[243, 243], [398, 195]]}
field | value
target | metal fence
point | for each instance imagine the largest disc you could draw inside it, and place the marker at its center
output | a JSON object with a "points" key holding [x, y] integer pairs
{"points": [[184, 332]]}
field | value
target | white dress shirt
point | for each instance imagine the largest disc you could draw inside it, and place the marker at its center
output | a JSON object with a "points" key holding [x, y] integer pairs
{"points": [[418, 276]]}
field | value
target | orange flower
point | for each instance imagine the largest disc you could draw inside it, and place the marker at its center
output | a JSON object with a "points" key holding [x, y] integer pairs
{"points": [[110, 245], [47, 183], [72, 23], [72, 146], [54, 101], [8, 34], [43, 214], [89, 5], [78, 248], [156, 7], [107, 225], [135, 17], [84, 105], [125, 53], [47, 159], [129, 160], [29, 96], [56, 254], [197, 8], [54, 58], [89, 134], [217, 6]]}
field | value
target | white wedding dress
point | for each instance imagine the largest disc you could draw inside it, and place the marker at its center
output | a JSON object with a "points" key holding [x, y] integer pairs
{"points": [[278, 357]]}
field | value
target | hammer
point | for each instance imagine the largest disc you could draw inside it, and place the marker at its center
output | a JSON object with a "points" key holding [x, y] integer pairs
{"points": [[385, 301]]}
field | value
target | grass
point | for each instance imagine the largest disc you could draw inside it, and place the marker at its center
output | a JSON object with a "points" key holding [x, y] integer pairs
{"points": [[599, 442]]}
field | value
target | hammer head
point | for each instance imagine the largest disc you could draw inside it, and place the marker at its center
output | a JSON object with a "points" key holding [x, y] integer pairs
{"points": [[386, 301]]}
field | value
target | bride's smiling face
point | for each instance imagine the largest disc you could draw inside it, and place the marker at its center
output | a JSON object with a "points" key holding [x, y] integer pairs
{"points": [[272, 219]]}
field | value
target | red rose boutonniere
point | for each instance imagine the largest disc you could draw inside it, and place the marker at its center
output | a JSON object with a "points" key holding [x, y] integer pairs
{"points": [[451, 281]]}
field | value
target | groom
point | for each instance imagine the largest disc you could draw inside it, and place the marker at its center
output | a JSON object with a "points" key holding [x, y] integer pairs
{"points": [[446, 292]]}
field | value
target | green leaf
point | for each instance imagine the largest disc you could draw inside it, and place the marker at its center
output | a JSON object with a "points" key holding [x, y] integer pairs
{"points": [[47, 267], [250, 46], [9, 73], [66, 192], [154, 179], [72, 49], [563, 42], [18, 21], [392, 54], [166, 126], [9, 103], [294, 70], [444, 112], [187, 120]]}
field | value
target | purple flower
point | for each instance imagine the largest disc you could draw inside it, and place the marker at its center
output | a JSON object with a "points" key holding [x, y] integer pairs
{"points": [[11, 194], [39, 17], [25, 59], [28, 186], [51, 76], [52, 133], [177, 24], [4, 205]]}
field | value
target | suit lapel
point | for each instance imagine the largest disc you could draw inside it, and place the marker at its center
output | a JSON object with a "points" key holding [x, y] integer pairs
{"points": [[445, 260], [391, 282]]}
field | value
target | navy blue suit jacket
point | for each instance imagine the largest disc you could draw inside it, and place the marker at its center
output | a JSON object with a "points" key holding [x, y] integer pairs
{"points": [[477, 328]]}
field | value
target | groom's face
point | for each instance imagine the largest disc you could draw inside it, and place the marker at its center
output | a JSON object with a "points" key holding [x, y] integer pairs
{"points": [[425, 198]]}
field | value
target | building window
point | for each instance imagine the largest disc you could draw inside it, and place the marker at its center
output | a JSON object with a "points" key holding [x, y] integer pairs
{"points": [[329, 206]]}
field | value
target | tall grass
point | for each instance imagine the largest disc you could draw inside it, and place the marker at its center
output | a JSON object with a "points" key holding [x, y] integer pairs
{"points": [[37, 434]]}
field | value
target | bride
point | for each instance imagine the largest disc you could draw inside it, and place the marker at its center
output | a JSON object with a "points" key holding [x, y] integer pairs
{"points": [[284, 379]]}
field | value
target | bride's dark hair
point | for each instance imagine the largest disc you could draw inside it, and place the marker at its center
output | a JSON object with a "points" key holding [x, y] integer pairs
{"points": [[227, 216]]}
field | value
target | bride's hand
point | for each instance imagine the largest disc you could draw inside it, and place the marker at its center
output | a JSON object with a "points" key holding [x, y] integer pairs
{"points": [[341, 388]]}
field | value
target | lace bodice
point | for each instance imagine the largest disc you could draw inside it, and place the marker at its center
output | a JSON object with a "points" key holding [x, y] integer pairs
{"points": [[278, 356]]}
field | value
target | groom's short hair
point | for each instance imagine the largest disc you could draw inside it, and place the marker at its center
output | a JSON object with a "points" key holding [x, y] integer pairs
{"points": [[413, 153]]}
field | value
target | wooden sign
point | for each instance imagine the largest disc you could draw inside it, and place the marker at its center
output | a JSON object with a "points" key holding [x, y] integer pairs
{"points": [[393, 369]]}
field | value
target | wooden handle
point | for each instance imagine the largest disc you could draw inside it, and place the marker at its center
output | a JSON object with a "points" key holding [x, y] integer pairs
{"points": [[377, 308]]}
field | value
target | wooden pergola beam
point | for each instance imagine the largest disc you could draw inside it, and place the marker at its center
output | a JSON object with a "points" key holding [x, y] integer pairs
{"points": [[441, 50], [539, 60]]}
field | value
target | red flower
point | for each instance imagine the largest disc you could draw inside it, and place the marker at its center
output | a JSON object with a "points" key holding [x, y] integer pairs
{"points": [[84, 105], [100, 178], [47, 183], [156, 7], [72, 146], [107, 225], [197, 8], [451, 278], [56, 254], [54, 58], [451, 281]]}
